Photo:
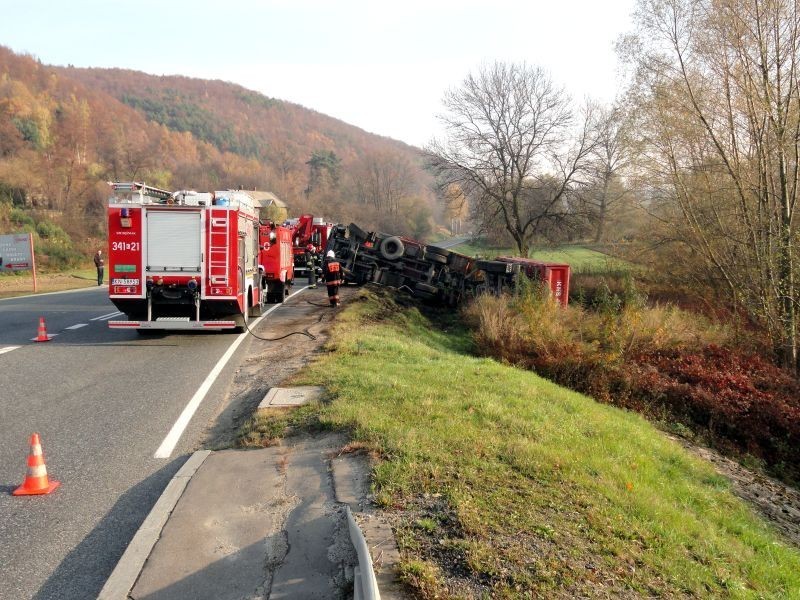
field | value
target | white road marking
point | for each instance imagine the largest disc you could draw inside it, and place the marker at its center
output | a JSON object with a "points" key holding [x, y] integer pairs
{"points": [[78, 326], [8, 349], [106, 317], [49, 335], [169, 443]]}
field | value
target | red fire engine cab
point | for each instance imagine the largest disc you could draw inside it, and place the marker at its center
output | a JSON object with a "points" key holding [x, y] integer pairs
{"points": [[275, 261], [308, 230], [183, 260]]}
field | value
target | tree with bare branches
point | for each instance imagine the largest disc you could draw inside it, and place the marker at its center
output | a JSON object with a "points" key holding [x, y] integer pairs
{"points": [[610, 158], [515, 147], [717, 93]]}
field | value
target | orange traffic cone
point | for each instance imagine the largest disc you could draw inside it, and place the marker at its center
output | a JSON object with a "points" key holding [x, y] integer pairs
{"points": [[36, 481], [41, 335]]}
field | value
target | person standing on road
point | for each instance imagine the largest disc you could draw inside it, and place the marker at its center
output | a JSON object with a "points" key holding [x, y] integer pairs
{"points": [[99, 263], [311, 265], [332, 271]]}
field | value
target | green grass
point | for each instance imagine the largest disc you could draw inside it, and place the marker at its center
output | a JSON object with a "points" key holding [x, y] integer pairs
{"points": [[511, 485], [579, 258]]}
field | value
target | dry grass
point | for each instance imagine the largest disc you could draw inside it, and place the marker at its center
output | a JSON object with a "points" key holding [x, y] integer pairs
{"points": [[516, 327], [22, 284]]}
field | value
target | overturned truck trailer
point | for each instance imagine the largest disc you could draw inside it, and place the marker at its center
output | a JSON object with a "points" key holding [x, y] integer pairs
{"points": [[435, 273]]}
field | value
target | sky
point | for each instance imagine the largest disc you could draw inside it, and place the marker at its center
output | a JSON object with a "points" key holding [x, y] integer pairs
{"points": [[382, 66]]}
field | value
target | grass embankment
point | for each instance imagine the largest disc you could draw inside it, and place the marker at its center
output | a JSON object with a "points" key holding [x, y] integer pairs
{"points": [[21, 284], [507, 485], [700, 376], [579, 258]]}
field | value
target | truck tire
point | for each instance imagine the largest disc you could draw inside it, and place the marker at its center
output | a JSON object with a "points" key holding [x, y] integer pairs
{"points": [[392, 248], [412, 251], [458, 262], [241, 323], [256, 308], [279, 295]]}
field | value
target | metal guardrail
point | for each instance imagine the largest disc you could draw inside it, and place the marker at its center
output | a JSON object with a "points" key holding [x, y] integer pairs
{"points": [[365, 586]]}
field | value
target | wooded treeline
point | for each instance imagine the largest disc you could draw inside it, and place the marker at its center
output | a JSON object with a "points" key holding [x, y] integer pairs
{"points": [[695, 168], [65, 131]]}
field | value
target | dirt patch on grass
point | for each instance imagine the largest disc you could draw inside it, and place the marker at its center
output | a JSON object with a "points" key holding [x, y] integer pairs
{"points": [[777, 502]]}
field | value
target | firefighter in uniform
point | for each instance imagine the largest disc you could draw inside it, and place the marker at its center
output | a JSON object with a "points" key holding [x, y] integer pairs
{"points": [[332, 271], [311, 265]]}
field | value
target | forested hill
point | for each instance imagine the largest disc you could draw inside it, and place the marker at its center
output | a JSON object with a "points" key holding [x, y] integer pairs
{"points": [[231, 117], [65, 131]]}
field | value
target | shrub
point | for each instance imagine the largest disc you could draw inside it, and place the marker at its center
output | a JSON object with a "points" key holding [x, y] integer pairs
{"points": [[737, 396], [662, 361], [21, 219], [51, 231]]}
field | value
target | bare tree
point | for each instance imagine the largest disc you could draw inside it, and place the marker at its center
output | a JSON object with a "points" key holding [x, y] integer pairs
{"points": [[383, 180], [610, 158], [718, 93], [510, 135]]}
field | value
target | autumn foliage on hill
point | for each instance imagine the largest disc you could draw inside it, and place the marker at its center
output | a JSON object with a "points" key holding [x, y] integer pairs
{"points": [[65, 131]]}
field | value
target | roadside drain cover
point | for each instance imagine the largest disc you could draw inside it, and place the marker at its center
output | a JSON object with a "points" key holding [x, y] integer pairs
{"points": [[291, 396]]}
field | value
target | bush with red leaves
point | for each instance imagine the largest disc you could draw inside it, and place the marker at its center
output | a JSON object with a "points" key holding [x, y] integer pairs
{"points": [[740, 397], [743, 401]]}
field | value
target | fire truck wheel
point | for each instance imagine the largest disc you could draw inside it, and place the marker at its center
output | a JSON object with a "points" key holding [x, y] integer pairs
{"points": [[258, 309], [392, 248], [278, 292], [241, 323]]}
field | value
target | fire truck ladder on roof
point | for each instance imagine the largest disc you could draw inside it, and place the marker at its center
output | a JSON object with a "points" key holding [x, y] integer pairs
{"points": [[219, 248], [141, 188]]}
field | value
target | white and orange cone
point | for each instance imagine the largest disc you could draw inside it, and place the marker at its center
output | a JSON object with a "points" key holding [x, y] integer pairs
{"points": [[36, 480], [41, 334]]}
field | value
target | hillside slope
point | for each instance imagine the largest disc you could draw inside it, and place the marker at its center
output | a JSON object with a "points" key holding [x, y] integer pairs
{"points": [[310, 159], [65, 131]]}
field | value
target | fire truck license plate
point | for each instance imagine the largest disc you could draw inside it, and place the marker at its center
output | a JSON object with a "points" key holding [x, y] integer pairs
{"points": [[124, 282]]}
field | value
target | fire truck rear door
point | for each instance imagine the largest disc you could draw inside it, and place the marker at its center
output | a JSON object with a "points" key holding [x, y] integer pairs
{"points": [[173, 241]]}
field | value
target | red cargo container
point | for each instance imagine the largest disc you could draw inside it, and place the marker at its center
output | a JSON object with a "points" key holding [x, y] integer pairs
{"points": [[556, 275]]}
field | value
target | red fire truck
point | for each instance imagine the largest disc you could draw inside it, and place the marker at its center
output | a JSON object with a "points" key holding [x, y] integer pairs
{"points": [[308, 230], [275, 261], [183, 260]]}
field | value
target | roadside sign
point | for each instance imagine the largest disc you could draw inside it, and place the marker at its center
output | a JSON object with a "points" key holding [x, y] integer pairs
{"points": [[15, 252]]}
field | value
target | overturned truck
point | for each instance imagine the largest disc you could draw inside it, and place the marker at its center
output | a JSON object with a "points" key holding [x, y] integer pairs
{"points": [[435, 273]]}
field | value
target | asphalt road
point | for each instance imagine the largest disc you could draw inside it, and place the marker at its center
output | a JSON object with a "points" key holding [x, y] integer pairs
{"points": [[103, 401]]}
